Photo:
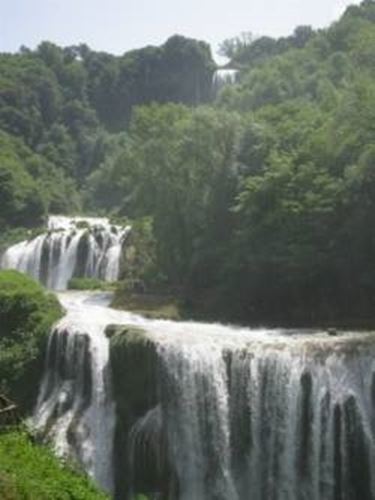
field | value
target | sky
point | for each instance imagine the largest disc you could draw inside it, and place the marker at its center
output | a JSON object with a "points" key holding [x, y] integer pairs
{"points": [[117, 26]]}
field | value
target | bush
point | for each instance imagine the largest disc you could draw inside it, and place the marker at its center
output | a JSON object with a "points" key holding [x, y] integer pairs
{"points": [[27, 314], [89, 284]]}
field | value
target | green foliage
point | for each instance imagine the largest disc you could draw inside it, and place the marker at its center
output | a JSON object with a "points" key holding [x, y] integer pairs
{"points": [[30, 185], [302, 249], [151, 305], [89, 284], [60, 107], [233, 47], [32, 472], [139, 265], [22, 202], [12, 236], [27, 313], [177, 167], [256, 201], [263, 200], [248, 50]]}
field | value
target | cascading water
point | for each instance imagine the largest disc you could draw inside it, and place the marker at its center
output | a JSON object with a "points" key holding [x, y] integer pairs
{"points": [[236, 414], [259, 415], [242, 414], [82, 247], [223, 77], [75, 408]]}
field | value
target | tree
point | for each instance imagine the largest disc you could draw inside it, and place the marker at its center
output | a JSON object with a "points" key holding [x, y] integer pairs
{"points": [[233, 47]]}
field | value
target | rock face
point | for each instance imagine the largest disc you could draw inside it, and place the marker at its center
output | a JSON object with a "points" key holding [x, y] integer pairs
{"points": [[133, 360]]}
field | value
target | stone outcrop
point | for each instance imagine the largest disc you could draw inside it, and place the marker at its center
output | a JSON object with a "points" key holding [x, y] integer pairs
{"points": [[133, 360]]}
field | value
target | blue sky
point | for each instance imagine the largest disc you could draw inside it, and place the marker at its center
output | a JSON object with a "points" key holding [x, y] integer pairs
{"points": [[119, 25]]}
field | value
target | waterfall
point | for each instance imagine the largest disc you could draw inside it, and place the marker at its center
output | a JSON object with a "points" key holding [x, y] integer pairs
{"points": [[259, 415], [241, 414], [233, 413], [223, 77], [71, 247], [75, 408]]}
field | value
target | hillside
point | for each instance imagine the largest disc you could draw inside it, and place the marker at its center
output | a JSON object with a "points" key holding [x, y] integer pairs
{"points": [[257, 206]]}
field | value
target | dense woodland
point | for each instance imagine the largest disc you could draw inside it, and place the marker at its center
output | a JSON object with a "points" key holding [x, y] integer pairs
{"points": [[257, 203]]}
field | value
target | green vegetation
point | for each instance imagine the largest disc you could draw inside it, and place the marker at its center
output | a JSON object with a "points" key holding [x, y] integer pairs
{"points": [[262, 204], [139, 261], [27, 313], [256, 205], [150, 305], [89, 284], [13, 235], [63, 113], [31, 472]]}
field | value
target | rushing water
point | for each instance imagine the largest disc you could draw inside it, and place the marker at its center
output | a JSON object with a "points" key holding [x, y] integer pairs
{"points": [[75, 408], [241, 414], [224, 77], [259, 415], [248, 414], [82, 247]]}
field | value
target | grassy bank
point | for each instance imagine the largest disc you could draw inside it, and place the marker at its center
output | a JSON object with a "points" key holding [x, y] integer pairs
{"points": [[91, 284], [32, 472]]}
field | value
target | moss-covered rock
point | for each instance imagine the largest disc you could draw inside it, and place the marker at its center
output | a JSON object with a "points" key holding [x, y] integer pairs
{"points": [[133, 362], [27, 313], [131, 332], [133, 359], [82, 255], [113, 330]]}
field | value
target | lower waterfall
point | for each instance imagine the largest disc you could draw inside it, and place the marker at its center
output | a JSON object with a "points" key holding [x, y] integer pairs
{"points": [[240, 414], [75, 409], [260, 415]]}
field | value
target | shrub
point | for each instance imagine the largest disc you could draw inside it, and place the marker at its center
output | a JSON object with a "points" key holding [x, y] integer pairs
{"points": [[27, 314], [89, 284]]}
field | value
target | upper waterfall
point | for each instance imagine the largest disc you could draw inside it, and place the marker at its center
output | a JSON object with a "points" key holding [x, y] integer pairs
{"points": [[223, 77], [71, 247]]}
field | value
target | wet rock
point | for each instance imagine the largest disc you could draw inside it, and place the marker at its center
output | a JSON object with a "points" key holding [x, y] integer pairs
{"points": [[133, 363], [332, 332], [129, 333], [113, 330]]}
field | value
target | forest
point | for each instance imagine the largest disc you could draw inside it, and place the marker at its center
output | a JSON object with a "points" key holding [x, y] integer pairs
{"points": [[144, 191], [255, 203]]}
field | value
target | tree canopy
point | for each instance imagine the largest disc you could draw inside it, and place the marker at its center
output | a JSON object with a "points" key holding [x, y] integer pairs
{"points": [[259, 199]]}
